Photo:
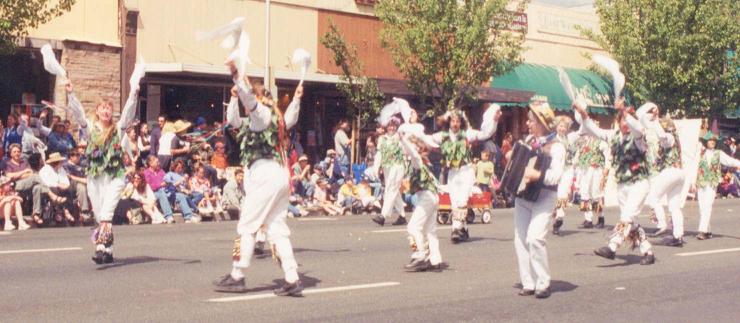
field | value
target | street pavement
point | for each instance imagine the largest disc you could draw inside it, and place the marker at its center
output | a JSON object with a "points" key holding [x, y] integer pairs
{"points": [[352, 271]]}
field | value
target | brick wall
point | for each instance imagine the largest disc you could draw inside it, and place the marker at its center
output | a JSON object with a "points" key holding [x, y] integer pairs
{"points": [[95, 71]]}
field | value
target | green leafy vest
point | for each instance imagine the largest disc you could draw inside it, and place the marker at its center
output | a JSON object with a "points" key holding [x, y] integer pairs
{"points": [[570, 151], [591, 155], [391, 152], [256, 145], [629, 162], [105, 157], [421, 179], [709, 173], [668, 157], [454, 153]]}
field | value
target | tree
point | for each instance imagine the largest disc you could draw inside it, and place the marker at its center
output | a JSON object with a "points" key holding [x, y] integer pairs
{"points": [[364, 98], [447, 48], [17, 17], [676, 53]]}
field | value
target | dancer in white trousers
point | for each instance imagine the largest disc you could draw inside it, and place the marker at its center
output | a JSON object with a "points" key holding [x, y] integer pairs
{"points": [[631, 169], [709, 176], [266, 184], [568, 139], [668, 178], [391, 159], [105, 173], [455, 147], [422, 228], [532, 218], [592, 159]]}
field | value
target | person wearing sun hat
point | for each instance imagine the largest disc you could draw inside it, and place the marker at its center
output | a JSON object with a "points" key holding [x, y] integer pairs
{"points": [[170, 144], [532, 218], [632, 172], [707, 179]]}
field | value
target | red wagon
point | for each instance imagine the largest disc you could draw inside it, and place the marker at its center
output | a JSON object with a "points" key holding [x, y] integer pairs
{"points": [[479, 205]]}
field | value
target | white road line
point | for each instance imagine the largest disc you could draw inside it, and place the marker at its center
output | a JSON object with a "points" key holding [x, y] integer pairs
{"points": [[404, 230], [7, 252], [317, 219], [708, 252], [305, 292]]}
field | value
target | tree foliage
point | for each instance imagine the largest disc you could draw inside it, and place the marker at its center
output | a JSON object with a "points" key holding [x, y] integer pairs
{"points": [[364, 98], [676, 53], [447, 48], [17, 17]]}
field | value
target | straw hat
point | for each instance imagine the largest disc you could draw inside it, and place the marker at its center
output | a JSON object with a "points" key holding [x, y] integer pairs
{"points": [[176, 127], [710, 136], [54, 158], [303, 158], [544, 114]]}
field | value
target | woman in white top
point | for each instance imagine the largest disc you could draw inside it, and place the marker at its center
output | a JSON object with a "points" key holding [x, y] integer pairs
{"points": [[139, 191]]}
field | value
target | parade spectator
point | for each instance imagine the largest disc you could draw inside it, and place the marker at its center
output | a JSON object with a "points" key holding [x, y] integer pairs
{"points": [[13, 132], [728, 187], [10, 205], [366, 195], [141, 193], [343, 144], [27, 182], [203, 196], [301, 181], [154, 177], [295, 143], [60, 141], [54, 176], [233, 194], [170, 145], [484, 171], [177, 187], [201, 126], [323, 198], [506, 146], [347, 195], [78, 183], [156, 133], [143, 142], [219, 160], [373, 180], [130, 146]]}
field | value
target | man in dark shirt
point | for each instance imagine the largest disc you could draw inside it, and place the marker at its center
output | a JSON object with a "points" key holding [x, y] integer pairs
{"points": [[78, 181], [155, 134], [60, 141]]}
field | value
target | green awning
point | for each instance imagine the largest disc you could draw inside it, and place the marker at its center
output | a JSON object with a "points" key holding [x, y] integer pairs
{"points": [[544, 80]]}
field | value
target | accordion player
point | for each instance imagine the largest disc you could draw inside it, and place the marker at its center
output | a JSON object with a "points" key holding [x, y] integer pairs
{"points": [[524, 156]]}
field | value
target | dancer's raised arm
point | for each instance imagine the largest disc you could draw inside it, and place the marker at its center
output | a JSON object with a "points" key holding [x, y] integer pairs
{"points": [[488, 125], [128, 114], [294, 109], [232, 110]]}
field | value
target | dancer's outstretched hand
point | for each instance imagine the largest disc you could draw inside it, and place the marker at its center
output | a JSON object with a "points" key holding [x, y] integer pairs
{"points": [[234, 91], [298, 92]]}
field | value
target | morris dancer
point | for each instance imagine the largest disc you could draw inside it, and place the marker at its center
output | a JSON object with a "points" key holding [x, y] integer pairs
{"points": [[422, 227], [455, 147], [105, 172], [532, 219], [669, 178], [631, 169], [710, 173], [266, 184], [390, 158], [592, 160], [565, 185]]}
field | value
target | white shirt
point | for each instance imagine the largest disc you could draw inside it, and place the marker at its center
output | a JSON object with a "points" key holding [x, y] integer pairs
{"points": [[52, 178], [340, 141], [165, 143], [145, 198]]}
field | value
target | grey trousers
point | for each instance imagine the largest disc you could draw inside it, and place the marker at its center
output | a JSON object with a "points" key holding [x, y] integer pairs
{"points": [[33, 185], [80, 192]]}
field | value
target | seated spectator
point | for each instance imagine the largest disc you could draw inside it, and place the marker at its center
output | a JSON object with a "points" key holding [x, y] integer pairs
{"points": [[323, 199], [206, 199], [54, 176], [368, 201], [177, 186], [219, 160], [484, 172], [234, 193], [60, 141], [10, 205], [27, 182], [727, 187], [347, 195], [138, 191], [78, 183], [154, 177], [373, 180], [301, 182]]}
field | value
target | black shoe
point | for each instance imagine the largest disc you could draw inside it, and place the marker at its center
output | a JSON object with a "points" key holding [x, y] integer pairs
{"points": [[545, 293], [98, 258], [660, 232], [294, 289], [702, 236], [647, 260], [675, 242], [456, 236], [417, 265], [465, 235], [586, 225], [107, 258], [600, 224], [438, 268], [709, 235], [556, 226], [258, 248], [379, 219], [526, 292], [228, 284], [605, 252], [400, 221]]}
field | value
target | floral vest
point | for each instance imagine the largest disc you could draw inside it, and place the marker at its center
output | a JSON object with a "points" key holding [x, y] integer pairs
{"points": [[570, 151], [421, 179], [455, 153], [105, 157], [256, 145], [668, 157], [591, 155], [709, 173], [630, 164], [391, 152]]}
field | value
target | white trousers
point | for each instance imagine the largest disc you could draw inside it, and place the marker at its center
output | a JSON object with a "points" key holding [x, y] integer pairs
{"points": [[532, 221], [631, 198], [104, 192], [669, 183], [460, 184], [423, 227], [564, 187], [705, 195], [589, 188], [265, 202], [392, 199]]}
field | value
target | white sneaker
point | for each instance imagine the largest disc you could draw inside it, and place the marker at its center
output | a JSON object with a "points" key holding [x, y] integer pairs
{"points": [[170, 220], [8, 226], [22, 226]]}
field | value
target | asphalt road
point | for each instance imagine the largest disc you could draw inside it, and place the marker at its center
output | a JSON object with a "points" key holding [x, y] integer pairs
{"points": [[353, 272]]}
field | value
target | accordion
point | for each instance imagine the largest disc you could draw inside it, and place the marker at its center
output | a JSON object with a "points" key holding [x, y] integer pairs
{"points": [[523, 157]]}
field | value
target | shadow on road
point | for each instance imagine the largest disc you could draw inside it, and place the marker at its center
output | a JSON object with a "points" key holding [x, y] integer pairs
{"points": [[558, 286], [306, 280], [120, 262], [474, 239], [628, 260]]}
